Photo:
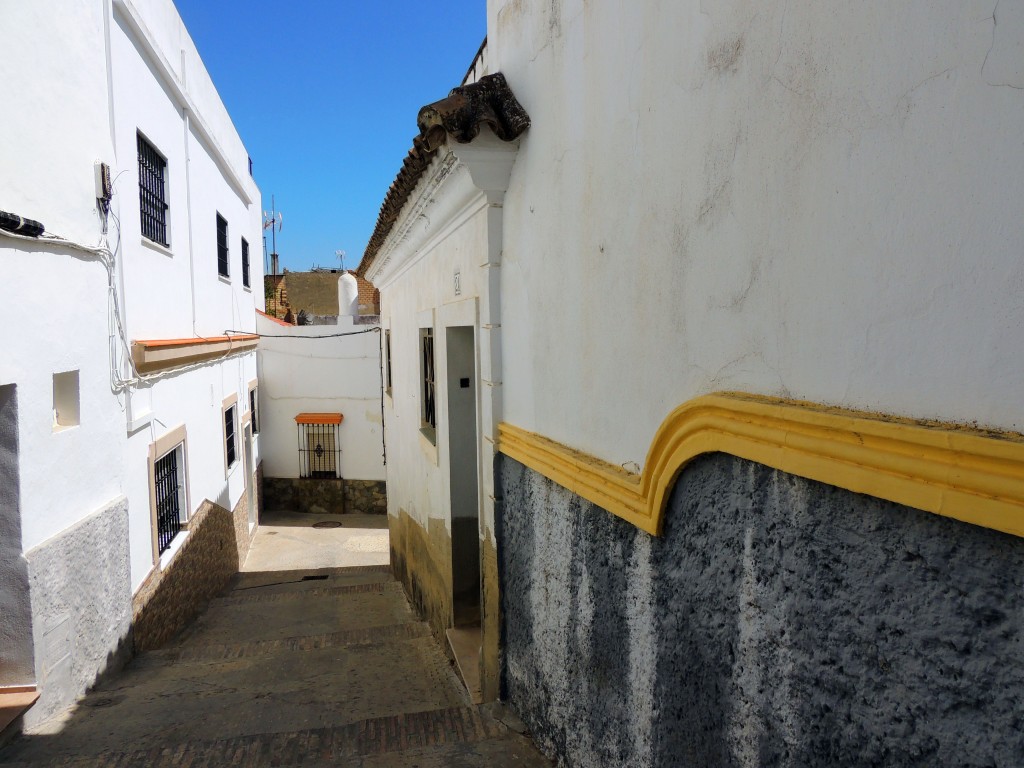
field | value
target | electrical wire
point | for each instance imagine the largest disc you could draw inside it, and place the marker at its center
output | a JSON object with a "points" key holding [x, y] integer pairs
{"points": [[375, 329]]}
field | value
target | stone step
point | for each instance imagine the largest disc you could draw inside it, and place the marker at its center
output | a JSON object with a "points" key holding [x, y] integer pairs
{"points": [[417, 732], [216, 652]]}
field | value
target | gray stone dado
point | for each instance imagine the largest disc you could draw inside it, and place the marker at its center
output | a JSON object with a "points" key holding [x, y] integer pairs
{"points": [[325, 496], [777, 621], [366, 497], [80, 587]]}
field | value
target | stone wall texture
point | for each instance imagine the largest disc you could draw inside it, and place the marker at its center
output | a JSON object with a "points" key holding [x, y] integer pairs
{"points": [[326, 497], [172, 597], [777, 621], [80, 586], [366, 497]]}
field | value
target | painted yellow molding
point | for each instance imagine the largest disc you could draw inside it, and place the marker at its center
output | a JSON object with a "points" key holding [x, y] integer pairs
{"points": [[971, 475]]}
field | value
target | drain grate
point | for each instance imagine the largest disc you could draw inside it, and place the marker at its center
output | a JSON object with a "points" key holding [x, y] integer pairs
{"points": [[316, 577], [103, 701], [327, 524]]}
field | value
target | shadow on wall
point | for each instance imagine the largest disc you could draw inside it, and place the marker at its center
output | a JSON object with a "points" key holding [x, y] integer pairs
{"points": [[175, 595]]}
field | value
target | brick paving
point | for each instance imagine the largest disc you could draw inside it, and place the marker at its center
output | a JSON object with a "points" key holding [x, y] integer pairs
{"points": [[298, 668]]}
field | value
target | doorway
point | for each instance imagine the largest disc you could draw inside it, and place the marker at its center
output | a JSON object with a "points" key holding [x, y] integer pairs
{"points": [[250, 480], [17, 666], [462, 468]]}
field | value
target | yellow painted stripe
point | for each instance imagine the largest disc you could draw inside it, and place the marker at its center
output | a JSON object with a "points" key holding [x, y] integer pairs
{"points": [[971, 475]]}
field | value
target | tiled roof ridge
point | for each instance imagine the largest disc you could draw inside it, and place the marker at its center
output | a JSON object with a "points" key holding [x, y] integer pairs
{"points": [[489, 101]]}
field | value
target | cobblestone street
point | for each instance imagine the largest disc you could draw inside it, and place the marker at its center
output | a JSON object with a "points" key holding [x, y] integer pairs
{"points": [[316, 667]]}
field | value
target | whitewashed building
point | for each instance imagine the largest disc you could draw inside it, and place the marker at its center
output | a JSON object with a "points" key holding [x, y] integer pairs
{"points": [[737, 312], [128, 444], [321, 388]]}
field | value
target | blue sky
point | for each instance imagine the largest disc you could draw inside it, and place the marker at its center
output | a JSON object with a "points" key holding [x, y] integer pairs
{"points": [[324, 93]]}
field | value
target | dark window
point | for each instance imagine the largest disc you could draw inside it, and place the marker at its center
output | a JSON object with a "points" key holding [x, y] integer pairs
{"points": [[253, 402], [427, 412], [245, 262], [318, 451], [152, 192], [222, 246], [387, 361], [230, 451], [168, 499]]}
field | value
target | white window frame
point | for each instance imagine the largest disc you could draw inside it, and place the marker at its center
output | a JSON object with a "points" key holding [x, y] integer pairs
{"points": [[174, 440], [229, 404]]}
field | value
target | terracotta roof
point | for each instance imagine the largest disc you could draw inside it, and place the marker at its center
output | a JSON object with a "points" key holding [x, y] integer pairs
{"points": [[489, 101]]}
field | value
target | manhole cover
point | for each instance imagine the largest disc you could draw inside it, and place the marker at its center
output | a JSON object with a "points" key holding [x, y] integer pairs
{"points": [[327, 524]]}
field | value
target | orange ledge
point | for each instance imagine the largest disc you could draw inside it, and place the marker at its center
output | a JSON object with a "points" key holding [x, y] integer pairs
{"points": [[273, 319], [319, 418], [14, 701], [159, 354]]}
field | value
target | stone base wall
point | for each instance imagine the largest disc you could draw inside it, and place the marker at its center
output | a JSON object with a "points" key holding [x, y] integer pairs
{"points": [[172, 597], [421, 560], [325, 497], [80, 591], [777, 621], [366, 497]]}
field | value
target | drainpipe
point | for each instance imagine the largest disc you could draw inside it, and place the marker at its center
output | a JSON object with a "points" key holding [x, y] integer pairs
{"points": [[489, 161], [188, 213]]}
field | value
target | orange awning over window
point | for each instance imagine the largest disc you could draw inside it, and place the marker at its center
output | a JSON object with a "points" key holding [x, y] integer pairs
{"points": [[319, 418]]}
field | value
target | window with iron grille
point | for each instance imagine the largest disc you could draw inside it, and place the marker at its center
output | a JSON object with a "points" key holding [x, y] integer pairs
{"points": [[152, 192], [387, 361], [245, 262], [167, 476], [319, 454], [428, 416], [222, 246], [230, 443]]}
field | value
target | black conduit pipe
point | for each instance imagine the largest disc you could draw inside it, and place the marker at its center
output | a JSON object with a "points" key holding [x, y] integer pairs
{"points": [[19, 225]]}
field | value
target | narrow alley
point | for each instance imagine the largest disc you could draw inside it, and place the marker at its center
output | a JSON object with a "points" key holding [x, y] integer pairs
{"points": [[295, 664]]}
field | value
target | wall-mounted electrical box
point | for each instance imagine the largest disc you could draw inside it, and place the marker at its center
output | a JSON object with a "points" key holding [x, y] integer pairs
{"points": [[104, 186]]}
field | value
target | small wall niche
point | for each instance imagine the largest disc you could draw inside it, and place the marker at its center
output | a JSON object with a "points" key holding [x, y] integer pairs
{"points": [[66, 402]]}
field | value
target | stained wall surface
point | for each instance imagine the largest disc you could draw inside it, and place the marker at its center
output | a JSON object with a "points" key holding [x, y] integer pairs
{"points": [[814, 201], [777, 621]]}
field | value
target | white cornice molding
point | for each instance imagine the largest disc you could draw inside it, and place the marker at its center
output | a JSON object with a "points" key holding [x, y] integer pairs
{"points": [[443, 202]]}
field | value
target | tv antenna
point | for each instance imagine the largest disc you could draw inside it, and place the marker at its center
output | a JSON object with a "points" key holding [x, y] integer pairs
{"points": [[273, 221], [340, 254]]}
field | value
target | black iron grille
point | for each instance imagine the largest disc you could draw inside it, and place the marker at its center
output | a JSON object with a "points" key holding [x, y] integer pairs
{"points": [[229, 435], [152, 191], [429, 416], [245, 262], [168, 499], [222, 246], [319, 455]]}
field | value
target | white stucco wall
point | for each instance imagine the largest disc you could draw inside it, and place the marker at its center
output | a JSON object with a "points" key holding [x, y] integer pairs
{"points": [[810, 201], [194, 400], [85, 77], [56, 298], [415, 275], [303, 374]]}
